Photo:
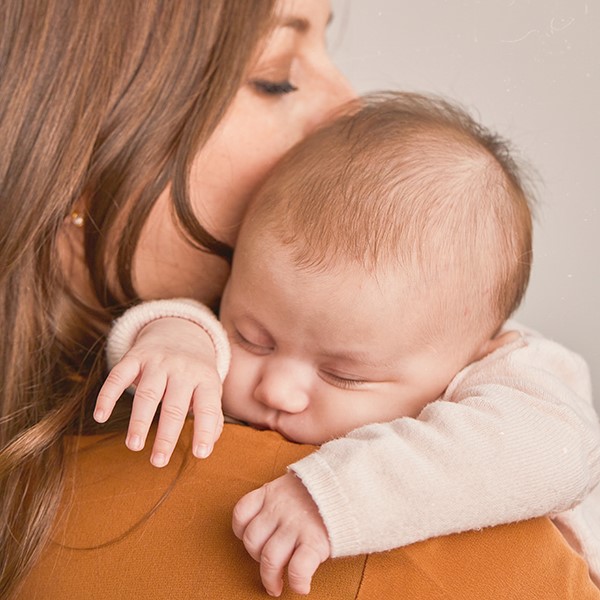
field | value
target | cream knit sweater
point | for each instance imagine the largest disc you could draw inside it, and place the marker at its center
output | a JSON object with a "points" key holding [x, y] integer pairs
{"points": [[514, 436]]}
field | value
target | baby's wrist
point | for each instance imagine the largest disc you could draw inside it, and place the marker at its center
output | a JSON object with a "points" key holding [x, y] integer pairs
{"points": [[129, 326]]}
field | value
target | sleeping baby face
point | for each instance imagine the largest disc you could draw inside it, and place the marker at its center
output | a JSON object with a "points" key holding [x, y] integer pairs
{"points": [[317, 354]]}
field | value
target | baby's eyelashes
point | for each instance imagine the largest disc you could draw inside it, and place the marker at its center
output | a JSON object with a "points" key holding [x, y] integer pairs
{"points": [[237, 338], [344, 382]]}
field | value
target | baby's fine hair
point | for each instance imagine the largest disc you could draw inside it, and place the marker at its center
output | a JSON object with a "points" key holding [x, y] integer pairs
{"points": [[408, 181]]}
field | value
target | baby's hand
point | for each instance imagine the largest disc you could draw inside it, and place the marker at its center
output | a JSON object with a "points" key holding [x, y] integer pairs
{"points": [[280, 525], [173, 362]]}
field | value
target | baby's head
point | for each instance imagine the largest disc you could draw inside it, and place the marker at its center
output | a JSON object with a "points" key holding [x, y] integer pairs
{"points": [[378, 260]]}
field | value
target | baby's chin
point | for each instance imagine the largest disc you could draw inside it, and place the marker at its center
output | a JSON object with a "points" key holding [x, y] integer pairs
{"points": [[296, 435], [306, 436]]}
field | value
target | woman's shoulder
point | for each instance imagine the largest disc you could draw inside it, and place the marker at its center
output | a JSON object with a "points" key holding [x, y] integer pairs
{"points": [[128, 529]]}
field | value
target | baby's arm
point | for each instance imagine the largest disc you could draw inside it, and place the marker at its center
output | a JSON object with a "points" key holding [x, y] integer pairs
{"points": [[514, 437], [177, 354]]}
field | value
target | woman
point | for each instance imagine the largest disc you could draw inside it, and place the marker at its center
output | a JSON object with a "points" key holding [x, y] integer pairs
{"points": [[133, 134], [107, 109]]}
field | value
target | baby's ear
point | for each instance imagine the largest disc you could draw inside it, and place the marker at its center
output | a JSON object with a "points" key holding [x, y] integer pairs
{"points": [[491, 345]]}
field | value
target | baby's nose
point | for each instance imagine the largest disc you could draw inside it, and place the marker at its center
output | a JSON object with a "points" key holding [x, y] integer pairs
{"points": [[283, 390]]}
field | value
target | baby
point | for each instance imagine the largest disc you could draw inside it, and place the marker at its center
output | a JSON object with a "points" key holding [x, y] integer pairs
{"points": [[369, 293]]}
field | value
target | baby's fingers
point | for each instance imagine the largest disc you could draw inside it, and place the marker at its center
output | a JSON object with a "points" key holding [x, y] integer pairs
{"points": [[275, 555], [148, 394], [121, 376], [208, 418], [303, 565], [245, 510], [173, 412]]}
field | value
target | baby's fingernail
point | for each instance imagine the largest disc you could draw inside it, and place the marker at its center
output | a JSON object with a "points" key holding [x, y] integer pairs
{"points": [[202, 451], [158, 460], [99, 416], [134, 442]]}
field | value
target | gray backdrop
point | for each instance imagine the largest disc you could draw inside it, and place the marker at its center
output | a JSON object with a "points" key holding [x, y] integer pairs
{"points": [[530, 70]]}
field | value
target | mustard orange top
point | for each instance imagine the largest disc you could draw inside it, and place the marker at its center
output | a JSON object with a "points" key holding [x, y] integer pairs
{"points": [[129, 530]]}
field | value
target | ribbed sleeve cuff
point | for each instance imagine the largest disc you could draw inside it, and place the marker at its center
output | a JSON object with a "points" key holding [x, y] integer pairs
{"points": [[334, 506], [127, 327]]}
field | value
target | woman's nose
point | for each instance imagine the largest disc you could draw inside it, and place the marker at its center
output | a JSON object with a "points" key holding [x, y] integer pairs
{"points": [[335, 92], [341, 91], [282, 388]]}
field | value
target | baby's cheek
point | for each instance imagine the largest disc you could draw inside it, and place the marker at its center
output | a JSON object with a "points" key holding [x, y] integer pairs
{"points": [[229, 391], [237, 387]]}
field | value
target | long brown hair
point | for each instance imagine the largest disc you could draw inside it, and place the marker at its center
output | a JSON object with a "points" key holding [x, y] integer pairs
{"points": [[106, 101]]}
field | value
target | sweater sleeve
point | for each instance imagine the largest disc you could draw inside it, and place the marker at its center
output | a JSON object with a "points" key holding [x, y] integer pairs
{"points": [[514, 436], [127, 327]]}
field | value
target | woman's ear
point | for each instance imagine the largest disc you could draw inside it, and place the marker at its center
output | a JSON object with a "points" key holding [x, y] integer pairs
{"points": [[76, 219], [70, 245]]}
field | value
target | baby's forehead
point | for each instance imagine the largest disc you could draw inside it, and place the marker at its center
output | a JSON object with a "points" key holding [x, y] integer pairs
{"points": [[394, 308]]}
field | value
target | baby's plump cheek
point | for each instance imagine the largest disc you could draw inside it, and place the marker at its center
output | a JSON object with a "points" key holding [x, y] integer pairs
{"points": [[237, 392], [228, 396]]}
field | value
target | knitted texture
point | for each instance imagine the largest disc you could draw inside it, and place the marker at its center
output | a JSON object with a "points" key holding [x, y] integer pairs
{"points": [[513, 437]]}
